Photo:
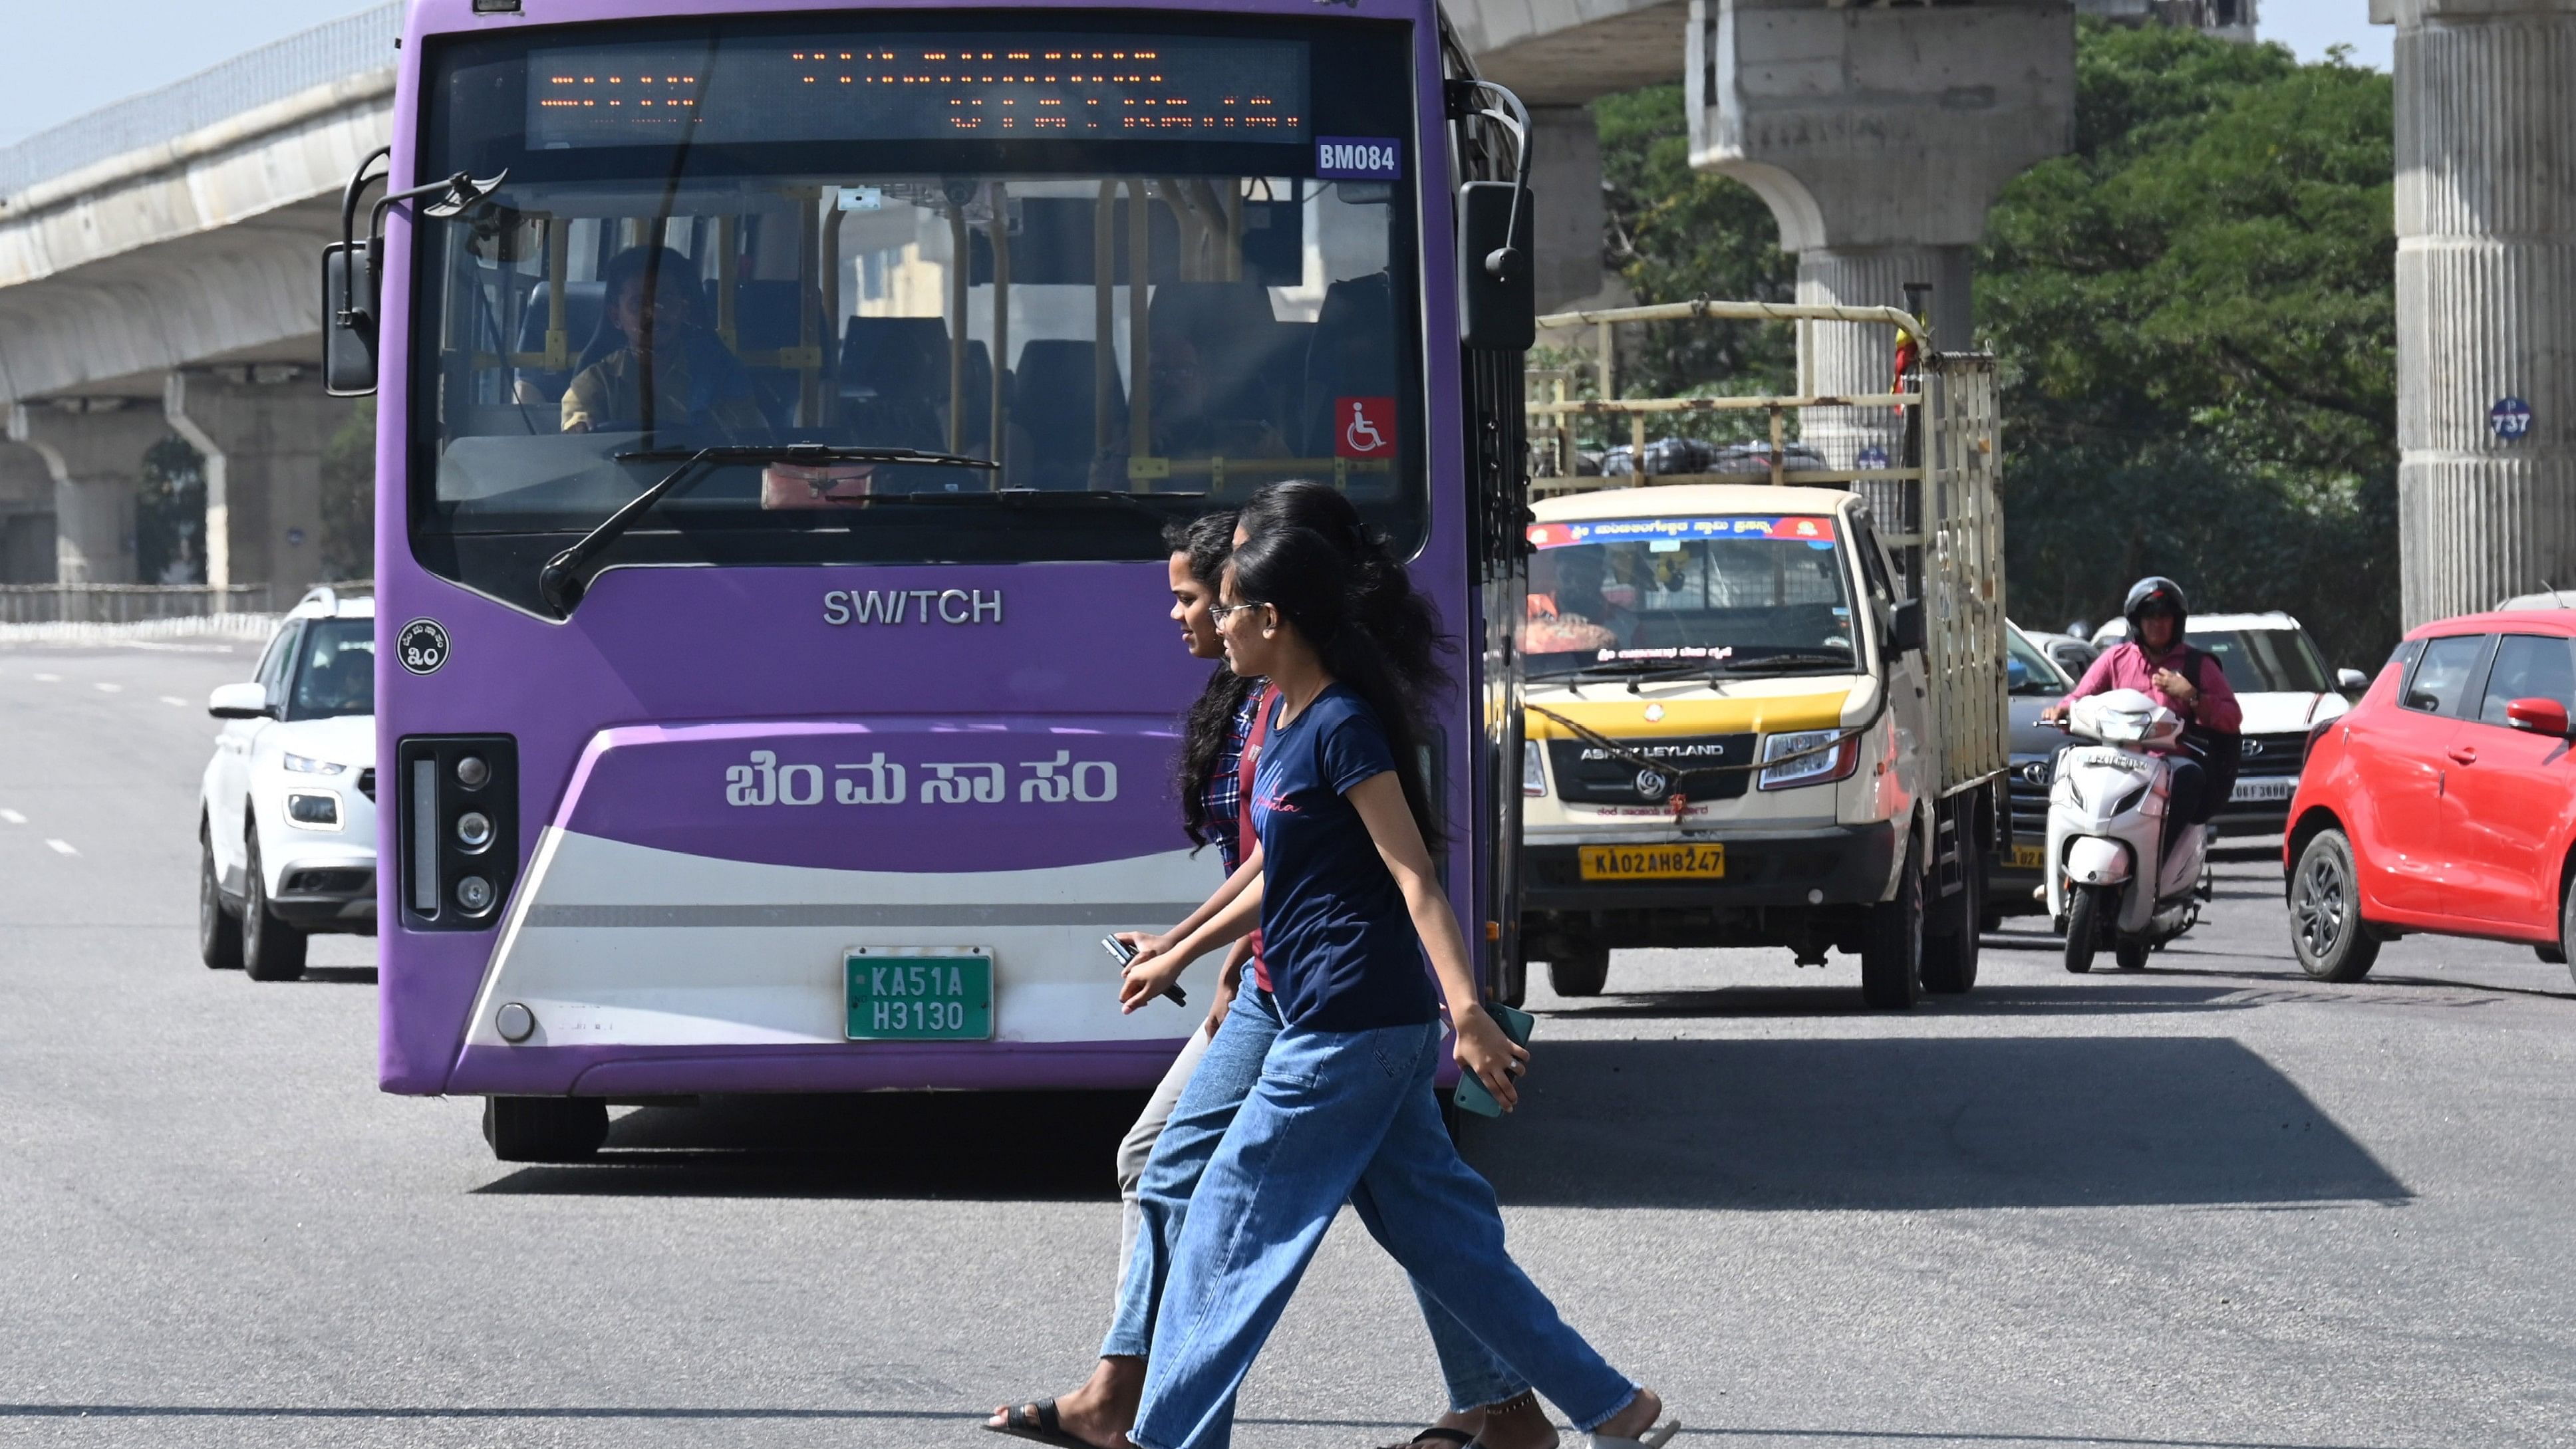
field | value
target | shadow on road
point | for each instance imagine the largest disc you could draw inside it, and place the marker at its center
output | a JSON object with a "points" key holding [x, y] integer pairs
{"points": [[1909, 1124], [2093, 996], [340, 975], [988, 1146]]}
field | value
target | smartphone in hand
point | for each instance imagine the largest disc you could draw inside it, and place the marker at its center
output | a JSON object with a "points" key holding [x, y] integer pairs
{"points": [[1125, 953], [1471, 1094]]}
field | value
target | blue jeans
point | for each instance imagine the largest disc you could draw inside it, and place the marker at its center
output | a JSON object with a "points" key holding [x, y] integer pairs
{"points": [[1173, 1177], [1335, 1116]]}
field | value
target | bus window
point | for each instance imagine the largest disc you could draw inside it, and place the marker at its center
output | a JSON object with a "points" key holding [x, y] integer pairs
{"points": [[1122, 312]]}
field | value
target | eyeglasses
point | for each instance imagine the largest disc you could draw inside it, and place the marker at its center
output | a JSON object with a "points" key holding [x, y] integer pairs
{"points": [[1220, 612]]}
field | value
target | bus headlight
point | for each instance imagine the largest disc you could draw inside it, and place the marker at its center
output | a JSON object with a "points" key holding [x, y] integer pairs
{"points": [[1533, 768], [1814, 762]]}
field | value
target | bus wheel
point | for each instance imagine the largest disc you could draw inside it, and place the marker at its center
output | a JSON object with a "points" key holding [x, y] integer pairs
{"points": [[272, 950], [1891, 945], [1577, 968], [544, 1129]]}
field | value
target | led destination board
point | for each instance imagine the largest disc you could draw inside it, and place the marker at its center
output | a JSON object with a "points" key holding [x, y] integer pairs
{"points": [[919, 88]]}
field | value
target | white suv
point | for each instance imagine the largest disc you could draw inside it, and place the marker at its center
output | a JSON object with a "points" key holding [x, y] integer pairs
{"points": [[286, 823]]}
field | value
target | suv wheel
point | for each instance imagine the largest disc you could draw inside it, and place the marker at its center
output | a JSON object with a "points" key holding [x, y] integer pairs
{"points": [[219, 935], [272, 950], [2327, 932]]}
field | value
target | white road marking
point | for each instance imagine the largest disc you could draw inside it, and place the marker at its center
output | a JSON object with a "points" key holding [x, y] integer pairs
{"points": [[13, 817], [103, 687], [174, 701], [62, 847], [49, 679]]}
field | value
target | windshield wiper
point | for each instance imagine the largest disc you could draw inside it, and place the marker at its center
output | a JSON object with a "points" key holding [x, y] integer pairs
{"points": [[1788, 661], [1148, 503], [560, 583]]}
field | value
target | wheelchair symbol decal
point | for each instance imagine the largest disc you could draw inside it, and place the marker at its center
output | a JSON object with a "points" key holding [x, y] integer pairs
{"points": [[1367, 427]]}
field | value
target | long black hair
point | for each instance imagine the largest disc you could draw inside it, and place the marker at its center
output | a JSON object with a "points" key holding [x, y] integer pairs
{"points": [[1383, 597], [1206, 731], [1314, 584]]}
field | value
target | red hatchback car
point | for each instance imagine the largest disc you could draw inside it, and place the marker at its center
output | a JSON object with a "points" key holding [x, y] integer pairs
{"points": [[2445, 801]]}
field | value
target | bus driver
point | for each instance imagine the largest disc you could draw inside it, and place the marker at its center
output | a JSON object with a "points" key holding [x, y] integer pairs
{"points": [[696, 385]]}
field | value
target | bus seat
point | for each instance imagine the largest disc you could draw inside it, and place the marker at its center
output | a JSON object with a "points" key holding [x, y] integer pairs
{"points": [[1350, 354], [1233, 327], [1051, 392], [583, 304], [894, 381], [765, 318]]}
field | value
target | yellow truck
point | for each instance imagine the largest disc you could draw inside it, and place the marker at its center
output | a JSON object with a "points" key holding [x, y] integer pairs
{"points": [[1763, 684]]}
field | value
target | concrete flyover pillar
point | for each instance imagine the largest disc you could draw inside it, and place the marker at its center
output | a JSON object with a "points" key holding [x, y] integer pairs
{"points": [[26, 517], [1879, 136], [94, 449], [262, 430], [1566, 229], [2486, 299]]}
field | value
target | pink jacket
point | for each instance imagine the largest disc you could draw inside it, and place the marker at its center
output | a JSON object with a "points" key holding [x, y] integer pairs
{"points": [[2126, 666]]}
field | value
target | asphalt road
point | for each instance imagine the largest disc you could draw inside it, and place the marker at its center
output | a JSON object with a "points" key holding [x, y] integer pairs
{"points": [[2216, 1204]]}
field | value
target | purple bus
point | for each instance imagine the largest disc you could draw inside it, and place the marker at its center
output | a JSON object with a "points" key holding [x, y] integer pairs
{"points": [[780, 408]]}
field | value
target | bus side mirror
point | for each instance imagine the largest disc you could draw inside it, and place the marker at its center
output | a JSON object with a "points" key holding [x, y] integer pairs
{"points": [[1905, 628], [349, 310], [1497, 287]]}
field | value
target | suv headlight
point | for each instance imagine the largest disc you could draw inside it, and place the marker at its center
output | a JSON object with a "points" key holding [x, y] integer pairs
{"points": [[1815, 763], [1533, 768], [307, 765]]}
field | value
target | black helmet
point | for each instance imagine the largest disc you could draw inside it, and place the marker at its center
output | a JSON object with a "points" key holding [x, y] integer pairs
{"points": [[2154, 590]]}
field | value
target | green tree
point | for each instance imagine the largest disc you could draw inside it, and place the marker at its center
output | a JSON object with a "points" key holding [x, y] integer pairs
{"points": [[349, 496], [2195, 309], [1675, 234], [170, 515]]}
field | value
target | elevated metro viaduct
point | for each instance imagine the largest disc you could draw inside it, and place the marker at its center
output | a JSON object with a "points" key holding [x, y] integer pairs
{"points": [[157, 258]]}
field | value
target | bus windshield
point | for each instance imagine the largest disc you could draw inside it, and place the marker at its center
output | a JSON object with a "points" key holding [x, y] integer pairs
{"points": [[1692, 595], [915, 234]]}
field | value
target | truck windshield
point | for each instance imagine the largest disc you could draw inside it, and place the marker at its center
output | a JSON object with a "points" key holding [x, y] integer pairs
{"points": [[1712, 594], [1175, 264]]}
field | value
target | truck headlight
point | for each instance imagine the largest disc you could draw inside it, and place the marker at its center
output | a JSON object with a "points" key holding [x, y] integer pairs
{"points": [[1814, 762], [1533, 768], [307, 765]]}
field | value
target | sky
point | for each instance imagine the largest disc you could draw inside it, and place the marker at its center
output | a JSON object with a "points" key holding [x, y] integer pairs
{"points": [[62, 64]]}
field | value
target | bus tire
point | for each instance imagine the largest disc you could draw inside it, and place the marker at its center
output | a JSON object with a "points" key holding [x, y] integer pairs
{"points": [[1950, 954], [219, 941], [1578, 968], [545, 1129], [1891, 945], [272, 950]]}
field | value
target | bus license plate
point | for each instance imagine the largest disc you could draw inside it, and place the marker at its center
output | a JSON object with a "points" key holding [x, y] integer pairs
{"points": [[918, 995], [2263, 791], [2028, 857], [1651, 862]]}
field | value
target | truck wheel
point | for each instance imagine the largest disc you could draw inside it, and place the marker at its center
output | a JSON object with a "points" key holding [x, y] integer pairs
{"points": [[272, 950], [2327, 932], [1950, 956], [1891, 945], [219, 936], [544, 1129], [1577, 969], [2084, 915]]}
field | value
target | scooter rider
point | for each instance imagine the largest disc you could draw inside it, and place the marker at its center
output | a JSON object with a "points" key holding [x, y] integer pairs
{"points": [[2154, 659]]}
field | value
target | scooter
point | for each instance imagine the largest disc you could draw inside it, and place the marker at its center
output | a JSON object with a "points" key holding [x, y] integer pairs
{"points": [[2111, 882]]}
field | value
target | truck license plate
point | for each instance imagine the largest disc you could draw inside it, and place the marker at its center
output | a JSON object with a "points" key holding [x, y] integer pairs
{"points": [[1651, 862], [918, 994], [2269, 790]]}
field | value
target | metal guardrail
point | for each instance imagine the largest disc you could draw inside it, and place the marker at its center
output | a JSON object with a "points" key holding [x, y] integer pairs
{"points": [[347, 47], [128, 603]]}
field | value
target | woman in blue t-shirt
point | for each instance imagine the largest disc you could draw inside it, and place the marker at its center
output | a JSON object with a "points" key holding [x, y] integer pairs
{"points": [[1349, 908]]}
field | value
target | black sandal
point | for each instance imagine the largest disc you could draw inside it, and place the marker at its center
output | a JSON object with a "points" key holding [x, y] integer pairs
{"points": [[1438, 1434], [1038, 1421]]}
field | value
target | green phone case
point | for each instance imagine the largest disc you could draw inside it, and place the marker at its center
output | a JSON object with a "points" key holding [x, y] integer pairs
{"points": [[1471, 1093]]}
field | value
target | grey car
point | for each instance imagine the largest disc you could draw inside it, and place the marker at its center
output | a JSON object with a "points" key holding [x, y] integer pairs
{"points": [[2034, 683]]}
